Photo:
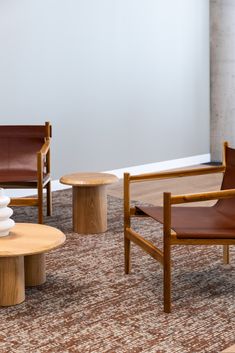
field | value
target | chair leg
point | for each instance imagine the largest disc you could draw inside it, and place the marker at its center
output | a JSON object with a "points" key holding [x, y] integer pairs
{"points": [[226, 254], [40, 204], [167, 277], [127, 247], [49, 199]]}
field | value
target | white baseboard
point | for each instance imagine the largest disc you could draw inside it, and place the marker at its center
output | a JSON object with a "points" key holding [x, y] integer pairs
{"points": [[145, 168], [165, 165]]}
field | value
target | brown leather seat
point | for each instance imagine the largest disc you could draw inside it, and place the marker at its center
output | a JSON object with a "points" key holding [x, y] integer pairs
{"points": [[213, 225], [217, 222], [196, 222], [25, 161], [18, 176]]}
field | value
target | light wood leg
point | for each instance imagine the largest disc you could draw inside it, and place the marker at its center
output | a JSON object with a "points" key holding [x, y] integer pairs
{"points": [[12, 287], [167, 253], [49, 199], [226, 258], [226, 254], [40, 204], [35, 270], [90, 209], [167, 279], [127, 248]]}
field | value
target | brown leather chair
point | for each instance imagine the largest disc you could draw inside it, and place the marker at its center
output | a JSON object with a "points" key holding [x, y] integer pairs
{"points": [[25, 162], [213, 225]]}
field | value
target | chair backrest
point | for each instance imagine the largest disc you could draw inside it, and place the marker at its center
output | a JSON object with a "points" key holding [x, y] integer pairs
{"points": [[227, 206], [19, 145]]}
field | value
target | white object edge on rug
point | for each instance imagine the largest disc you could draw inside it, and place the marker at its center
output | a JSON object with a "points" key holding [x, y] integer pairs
{"points": [[6, 223], [145, 168], [229, 350]]}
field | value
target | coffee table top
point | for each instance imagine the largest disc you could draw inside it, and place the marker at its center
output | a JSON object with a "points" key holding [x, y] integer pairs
{"points": [[30, 239], [88, 179]]}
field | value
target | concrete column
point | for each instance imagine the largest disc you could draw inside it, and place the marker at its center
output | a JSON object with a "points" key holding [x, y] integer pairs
{"points": [[222, 26]]}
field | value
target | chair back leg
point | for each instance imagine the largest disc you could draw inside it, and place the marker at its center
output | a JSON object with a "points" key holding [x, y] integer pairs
{"points": [[167, 252], [226, 254], [127, 221]]}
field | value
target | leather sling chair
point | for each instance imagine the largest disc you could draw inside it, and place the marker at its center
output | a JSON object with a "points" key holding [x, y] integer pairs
{"points": [[25, 163], [213, 225]]}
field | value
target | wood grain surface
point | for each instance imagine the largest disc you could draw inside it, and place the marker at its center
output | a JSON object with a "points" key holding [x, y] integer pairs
{"points": [[29, 239], [35, 270], [90, 209], [12, 285], [88, 179]]}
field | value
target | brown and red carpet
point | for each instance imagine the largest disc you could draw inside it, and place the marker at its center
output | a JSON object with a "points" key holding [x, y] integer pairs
{"points": [[89, 305]]}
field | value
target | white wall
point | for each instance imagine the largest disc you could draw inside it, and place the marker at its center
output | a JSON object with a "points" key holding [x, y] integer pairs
{"points": [[124, 82]]}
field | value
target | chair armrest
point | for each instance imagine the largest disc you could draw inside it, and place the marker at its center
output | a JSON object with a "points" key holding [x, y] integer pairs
{"points": [[43, 154], [176, 173], [204, 196], [45, 148]]}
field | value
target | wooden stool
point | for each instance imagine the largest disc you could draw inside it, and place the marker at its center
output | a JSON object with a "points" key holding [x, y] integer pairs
{"points": [[89, 200]]}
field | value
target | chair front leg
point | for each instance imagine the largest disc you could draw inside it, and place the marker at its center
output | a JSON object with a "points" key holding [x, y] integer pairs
{"points": [[167, 277], [49, 199], [40, 187]]}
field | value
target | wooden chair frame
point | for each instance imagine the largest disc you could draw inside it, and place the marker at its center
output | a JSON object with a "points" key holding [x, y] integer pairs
{"points": [[169, 236], [43, 163]]}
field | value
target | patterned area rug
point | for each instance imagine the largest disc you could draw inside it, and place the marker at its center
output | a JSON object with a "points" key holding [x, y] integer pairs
{"points": [[89, 305]]}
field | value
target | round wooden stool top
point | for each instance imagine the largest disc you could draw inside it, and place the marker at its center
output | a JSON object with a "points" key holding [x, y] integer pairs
{"points": [[29, 239], [89, 200], [88, 179]]}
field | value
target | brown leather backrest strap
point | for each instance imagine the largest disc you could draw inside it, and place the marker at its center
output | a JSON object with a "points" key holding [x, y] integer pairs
{"points": [[19, 145], [227, 206], [23, 131], [229, 175]]}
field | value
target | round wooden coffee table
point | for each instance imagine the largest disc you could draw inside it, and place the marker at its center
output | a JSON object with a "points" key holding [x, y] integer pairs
{"points": [[89, 200], [22, 259]]}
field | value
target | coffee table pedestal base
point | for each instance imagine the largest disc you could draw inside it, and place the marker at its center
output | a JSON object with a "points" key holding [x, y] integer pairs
{"points": [[22, 259], [17, 272], [35, 270], [89, 209], [12, 284]]}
